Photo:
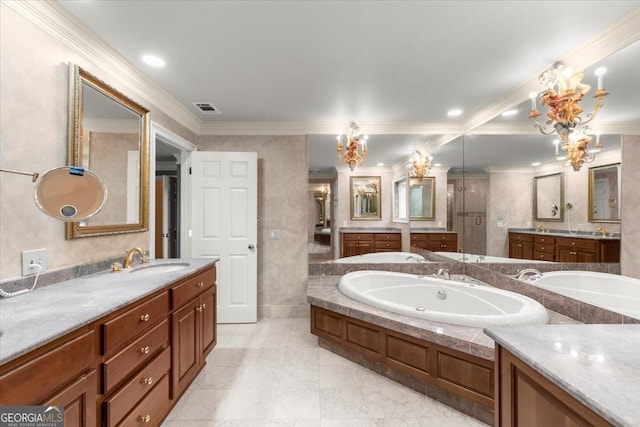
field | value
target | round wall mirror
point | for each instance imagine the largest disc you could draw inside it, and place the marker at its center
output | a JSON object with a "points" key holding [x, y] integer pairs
{"points": [[70, 193]]}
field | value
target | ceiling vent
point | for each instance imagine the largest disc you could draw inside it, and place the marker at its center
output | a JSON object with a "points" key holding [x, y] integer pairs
{"points": [[207, 108]]}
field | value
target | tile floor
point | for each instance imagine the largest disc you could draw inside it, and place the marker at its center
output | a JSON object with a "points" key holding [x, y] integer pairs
{"points": [[273, 373]]}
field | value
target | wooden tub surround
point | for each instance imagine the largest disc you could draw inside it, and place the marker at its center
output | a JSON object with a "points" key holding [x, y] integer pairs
{"points": [[452, 364]]}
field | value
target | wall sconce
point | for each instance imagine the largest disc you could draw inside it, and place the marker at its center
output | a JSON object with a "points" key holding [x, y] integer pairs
{"points": [[356, 147], [563, 94], [420, 165]]}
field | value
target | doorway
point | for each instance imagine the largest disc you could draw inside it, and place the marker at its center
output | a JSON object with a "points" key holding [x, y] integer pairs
{"points": [[320, 224], [167, 227]]}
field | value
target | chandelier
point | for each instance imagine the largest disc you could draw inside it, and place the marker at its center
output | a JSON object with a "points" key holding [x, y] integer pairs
{"points": [[420, 165], [356, 147], [563, 94]]}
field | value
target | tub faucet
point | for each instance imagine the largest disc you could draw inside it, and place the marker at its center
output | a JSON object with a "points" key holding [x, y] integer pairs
{"points": [[444, 272], [529, 272], [541, 228], [602, 231], [413, 257], [127, 262]]}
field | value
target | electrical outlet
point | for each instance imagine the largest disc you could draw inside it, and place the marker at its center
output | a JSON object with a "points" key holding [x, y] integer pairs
{"points": [[32, 258], [274, 234]]}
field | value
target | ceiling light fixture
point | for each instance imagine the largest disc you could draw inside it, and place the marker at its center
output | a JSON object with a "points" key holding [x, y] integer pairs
{"points": [[420, 165], [153, 60], [355, 151], [509, 113], [454, 113], [564, 91]]}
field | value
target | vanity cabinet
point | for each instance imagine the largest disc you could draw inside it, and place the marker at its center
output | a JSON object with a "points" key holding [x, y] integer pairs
{"points": [[194, 328], [59, 374], [544, 248], [435, 242], [127, 368], [135, 346], [526, 398], [569, 249], [521, 245], [356, 244], [387, 242]]}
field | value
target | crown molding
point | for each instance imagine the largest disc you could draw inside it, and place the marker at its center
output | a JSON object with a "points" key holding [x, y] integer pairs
{"points": [[56, 21]]}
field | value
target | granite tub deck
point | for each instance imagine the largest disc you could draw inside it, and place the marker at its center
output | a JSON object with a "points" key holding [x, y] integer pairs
{"points": [[323, 292], [34, 319], [596, 364]]}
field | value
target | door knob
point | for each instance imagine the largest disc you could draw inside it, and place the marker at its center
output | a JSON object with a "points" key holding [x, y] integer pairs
{"points": [[251, 246]]}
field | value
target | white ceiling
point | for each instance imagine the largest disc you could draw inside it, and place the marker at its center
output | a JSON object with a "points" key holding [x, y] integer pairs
{"points": [[394, 67]]}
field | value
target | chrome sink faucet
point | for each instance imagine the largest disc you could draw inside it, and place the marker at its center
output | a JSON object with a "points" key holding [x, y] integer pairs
{"points": [[127, 262]]}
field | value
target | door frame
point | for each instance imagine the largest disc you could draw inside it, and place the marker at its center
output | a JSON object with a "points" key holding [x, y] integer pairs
{"points": [[167, 137]]}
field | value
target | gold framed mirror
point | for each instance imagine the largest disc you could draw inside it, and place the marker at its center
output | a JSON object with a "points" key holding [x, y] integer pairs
{"points": [[548, 197], [604, 193], [108, 135], [423, 198], [365, 197]]}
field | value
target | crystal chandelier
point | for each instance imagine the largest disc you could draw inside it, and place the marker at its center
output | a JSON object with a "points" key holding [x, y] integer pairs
{"points": [[356, 147], [563, 94], [420, 165]]}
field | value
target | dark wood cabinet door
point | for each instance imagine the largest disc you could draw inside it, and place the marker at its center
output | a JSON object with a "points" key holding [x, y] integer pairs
{"points": [[185, 348], [208, 319], [78, 400]]}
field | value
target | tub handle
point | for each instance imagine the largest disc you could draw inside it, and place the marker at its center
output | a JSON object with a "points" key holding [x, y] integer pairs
{"points": [[442, 294]]}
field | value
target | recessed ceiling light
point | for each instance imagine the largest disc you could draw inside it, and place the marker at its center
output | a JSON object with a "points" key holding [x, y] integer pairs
{"points": [[509, 113], [535, 164], [380, 164], [154, 61], [454, 113], [437, 164]]}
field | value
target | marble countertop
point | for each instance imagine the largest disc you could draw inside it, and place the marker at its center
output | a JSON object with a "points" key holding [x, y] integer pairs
{"points": [[430, 230], [369, 230], [566, 233], [599, 365], [31, 320]]}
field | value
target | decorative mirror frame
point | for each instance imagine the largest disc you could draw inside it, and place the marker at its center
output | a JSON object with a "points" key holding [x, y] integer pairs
{"points": [[370, 185], [613, 202], [414, 183], [400, 200], [556, 209], [78, 77]]}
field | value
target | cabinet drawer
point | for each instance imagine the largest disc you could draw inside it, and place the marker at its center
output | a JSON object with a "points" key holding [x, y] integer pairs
{"points": [[388, 245], [544, 240], [191, 288], [133, 322], [447, 238], [577, 243], [544, 248], [544, 256], [22, 386], [117, 406], [152, 408], [142, 350], [384, 237], [418, 237], [357, 236], [521, 237]]}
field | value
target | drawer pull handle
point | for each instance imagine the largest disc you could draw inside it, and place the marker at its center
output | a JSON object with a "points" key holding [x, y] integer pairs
{"points": [[145, 418], [147, 381], [204, 306], [573, 253], [199, 308], [145, 350], [200, 284], [145, 318], [573, 243]]}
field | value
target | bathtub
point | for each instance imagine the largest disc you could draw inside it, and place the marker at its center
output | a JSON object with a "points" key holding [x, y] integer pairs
{"points": [[383, 257], [609, 291], [458, 256], [441, 300]]}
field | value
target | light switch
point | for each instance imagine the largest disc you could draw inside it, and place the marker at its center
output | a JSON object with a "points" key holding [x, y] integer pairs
{"points": [[274, 234]]}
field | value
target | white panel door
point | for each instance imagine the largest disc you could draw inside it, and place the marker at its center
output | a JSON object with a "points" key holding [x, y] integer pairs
{"points": [[224, 212]]}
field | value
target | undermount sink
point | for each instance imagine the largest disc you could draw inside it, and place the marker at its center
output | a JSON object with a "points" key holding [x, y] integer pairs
{"points": [[159, 268]]}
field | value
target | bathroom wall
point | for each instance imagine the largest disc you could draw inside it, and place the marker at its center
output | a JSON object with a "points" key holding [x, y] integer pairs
{"points": [[283, 202], [630, 251], [511, 204], [33, 137], [440, 174]]}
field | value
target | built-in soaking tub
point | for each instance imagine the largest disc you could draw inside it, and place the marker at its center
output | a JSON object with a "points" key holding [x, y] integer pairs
{"points": [[383, 258], [609, 291], [440, 300]]}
